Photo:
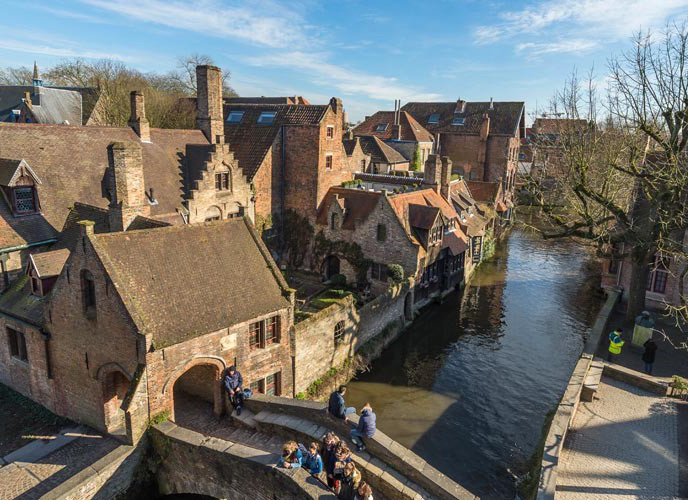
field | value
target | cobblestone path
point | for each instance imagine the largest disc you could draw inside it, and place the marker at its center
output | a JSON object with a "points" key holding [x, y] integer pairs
{"points": [[623, 445]]}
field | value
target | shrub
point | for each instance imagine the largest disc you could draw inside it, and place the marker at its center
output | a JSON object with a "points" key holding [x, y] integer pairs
{"points": [[338, 280], [396, 272], [415, 162]]}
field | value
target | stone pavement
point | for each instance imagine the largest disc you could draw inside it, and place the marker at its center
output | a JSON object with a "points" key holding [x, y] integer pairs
{"points": [[623, 445], [32, 479]]}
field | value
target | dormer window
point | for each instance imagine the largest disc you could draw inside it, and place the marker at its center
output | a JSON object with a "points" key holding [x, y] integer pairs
{"points": [[18, 182], [267, 117], [381, 127], [24, 200], [235, 116], [43, 269], [434, 119], [458, 119]]}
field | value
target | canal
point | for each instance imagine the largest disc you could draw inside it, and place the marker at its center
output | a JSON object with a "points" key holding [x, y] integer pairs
{"points": [[468, 385]]}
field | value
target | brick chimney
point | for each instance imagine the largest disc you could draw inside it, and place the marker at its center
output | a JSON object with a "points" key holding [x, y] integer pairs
{"points": [[27, 99], [209, 115], [445, 177], [433, 172], [460, 106], [336, 105], [396, 132], [127, 195], [137, 119], [485, 127]]}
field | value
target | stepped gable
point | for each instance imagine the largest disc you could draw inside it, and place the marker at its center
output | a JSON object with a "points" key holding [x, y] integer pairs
{"points": [[72, 164], [155, 272]]}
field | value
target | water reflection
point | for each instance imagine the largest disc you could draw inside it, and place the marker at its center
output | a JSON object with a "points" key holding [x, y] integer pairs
{"points": [[468, 386]]}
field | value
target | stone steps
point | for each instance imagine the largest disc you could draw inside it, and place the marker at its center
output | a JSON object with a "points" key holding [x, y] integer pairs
{"points": [[385, 481], [245, 419]]}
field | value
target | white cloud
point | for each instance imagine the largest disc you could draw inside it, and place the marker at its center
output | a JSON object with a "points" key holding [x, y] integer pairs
{"points": [[562, 46], [347, 81], [259, 22], [593, 20], [59, 51]]}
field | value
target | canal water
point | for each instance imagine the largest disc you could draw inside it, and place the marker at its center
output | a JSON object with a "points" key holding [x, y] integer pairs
{"points": [[468, 385]]}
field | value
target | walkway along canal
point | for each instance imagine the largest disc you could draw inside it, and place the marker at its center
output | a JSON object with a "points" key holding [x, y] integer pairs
{"points": [[469, 384]]}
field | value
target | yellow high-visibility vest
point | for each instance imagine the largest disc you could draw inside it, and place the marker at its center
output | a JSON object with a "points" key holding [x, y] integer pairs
{"points": [[615, 347]]}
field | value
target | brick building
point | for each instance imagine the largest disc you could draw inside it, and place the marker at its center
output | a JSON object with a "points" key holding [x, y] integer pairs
{"points": [[481, 138], [291, 153], [420, 226], [400, 131], [117, 176], [121, 329], [382, 158]]}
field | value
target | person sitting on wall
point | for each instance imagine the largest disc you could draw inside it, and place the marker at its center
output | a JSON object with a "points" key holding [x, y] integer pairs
{"points": [[233, 382], [336, 406], [291, 456], [366, 427], [312, 462]]}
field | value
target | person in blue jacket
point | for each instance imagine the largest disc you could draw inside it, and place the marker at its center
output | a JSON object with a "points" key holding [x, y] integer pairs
{"points": [[366, 427], [336, 406], [233, 382], [291, 456], [313, 462]]}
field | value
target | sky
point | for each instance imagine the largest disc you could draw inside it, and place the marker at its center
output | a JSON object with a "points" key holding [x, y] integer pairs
{"points": [[366, 52]]}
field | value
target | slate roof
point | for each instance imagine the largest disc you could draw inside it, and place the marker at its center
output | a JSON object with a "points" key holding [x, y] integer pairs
{"points": [[357, 203], [51, 104], [389, 179], [50, 263], [379, 151], [180, 282], [18, 301], [72, 163], [286, 114], [505, 117], [411, 130]]}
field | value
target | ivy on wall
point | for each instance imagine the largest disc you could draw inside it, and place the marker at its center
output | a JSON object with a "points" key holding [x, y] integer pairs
{"points": [[350, 251]]}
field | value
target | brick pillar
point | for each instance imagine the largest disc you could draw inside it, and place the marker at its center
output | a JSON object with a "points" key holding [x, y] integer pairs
{"points": [[128, 196], [137, 119], [209, 116], [433, 172], [445, 177]]}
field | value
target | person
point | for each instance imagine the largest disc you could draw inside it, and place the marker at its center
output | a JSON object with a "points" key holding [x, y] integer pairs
{"points": [[350, 481], [364, 492], [366, 427], [330, 442], [291, 456], [649, 354], [336, 406], [342, 456], [615, 344], [312, 462], [233, 381]]}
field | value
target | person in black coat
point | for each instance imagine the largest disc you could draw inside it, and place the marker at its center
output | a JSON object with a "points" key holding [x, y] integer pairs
{"points": [[336, 406], [233, 382], [649, 355]]}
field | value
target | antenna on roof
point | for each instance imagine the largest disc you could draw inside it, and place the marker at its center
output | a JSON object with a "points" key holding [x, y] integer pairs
{"points": [[491, 104]]}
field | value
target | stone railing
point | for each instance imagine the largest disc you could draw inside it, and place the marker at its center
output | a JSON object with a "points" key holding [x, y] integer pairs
{"points": [[380, 446], [566, 410]]}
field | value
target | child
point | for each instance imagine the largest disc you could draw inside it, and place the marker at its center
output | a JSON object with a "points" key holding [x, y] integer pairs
{"points": [[291, 455], [350, 482], [313, 463], [330, 442], [364, 492], [342, 456]]}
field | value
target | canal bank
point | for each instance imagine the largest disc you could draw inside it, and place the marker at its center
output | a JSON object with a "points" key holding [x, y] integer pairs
{"points": [[468, 385]]}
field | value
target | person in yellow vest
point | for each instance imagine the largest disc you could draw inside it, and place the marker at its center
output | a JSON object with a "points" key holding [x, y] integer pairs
{"points": [[615, 344]]}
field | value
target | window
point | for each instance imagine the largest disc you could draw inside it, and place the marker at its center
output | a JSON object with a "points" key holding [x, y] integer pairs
{"points": [[328, 162], [334, 221], [222, 181], [381, 232], [272, 330], [266, 117], [258, 386], [330, 132], [235, 116], [17, 344], [88, 293], [381, 127], [24, 200], [264, 333], [658, 274], [378, 272], [434, 119], [272, 384], [458, 120], [363, 165], [339, 333]]}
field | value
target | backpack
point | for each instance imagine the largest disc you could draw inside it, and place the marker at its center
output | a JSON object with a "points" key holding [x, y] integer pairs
{"points": [[248, 393], [303, 450]]}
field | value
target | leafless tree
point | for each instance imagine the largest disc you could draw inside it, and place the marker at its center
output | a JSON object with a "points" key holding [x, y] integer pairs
{"points": [[183, 79], [16, 76]]}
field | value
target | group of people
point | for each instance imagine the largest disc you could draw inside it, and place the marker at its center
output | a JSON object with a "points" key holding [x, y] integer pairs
{"points": [[649, 350], [342, 475]]}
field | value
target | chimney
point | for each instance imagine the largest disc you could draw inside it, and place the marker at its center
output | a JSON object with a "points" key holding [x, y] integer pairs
{"points": [[27, 99], [396, 132], [128, 196], [491, 104], [485, 127], [209, 114], [87, 227], [445, 177], [433, 172], [460, 106], [350, 135], [137, 119], [336, 105]]}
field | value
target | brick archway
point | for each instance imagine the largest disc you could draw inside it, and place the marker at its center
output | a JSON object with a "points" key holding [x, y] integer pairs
{"points": [[115, 383], [214, 367]]}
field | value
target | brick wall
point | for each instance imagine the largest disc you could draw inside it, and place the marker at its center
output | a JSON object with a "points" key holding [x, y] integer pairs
{"points": [[314, 343], [357, 159], [267, 183]]}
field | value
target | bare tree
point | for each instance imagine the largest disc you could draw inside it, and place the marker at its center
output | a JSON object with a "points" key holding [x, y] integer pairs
{"points": [[184, 78], [621, 180], [16, 76]]}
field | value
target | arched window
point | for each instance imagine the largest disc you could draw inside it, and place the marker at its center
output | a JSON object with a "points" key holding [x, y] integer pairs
{"points": [[88, 293], [339, 333], [213, 213], [334, 221]]}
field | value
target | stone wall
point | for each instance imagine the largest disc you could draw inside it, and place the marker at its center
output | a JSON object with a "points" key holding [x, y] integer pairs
{"points": [[315, 348]]}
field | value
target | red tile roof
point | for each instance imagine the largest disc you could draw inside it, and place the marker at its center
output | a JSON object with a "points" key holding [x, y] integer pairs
{"points": [[411, 130], [357, 203]]}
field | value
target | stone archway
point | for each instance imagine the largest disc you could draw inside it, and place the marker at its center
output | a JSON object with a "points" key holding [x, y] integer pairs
{"points": [[115, 388], [213, 213], [195, 388], [331, 266]]}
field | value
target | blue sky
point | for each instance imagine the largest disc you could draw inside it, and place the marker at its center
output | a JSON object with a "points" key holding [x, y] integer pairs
{"points": [[366, 52]]}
